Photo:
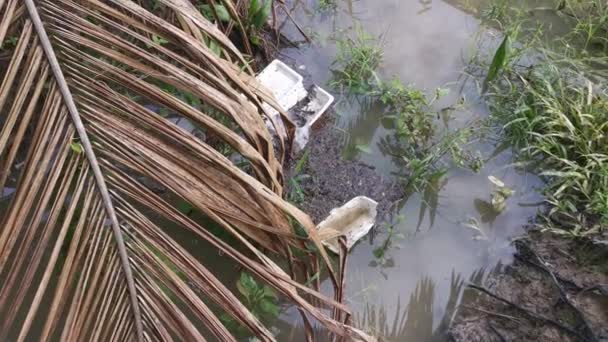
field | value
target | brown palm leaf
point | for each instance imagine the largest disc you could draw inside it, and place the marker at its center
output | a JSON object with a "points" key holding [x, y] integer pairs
{"points": [[91, 176]]}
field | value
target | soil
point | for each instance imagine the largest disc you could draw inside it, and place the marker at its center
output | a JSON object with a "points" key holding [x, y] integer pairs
{"points": [[581, 271], [333, 180]]}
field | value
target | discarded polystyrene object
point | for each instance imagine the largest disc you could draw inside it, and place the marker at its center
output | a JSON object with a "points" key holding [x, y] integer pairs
{"points": [[6, 192], [288, 88], [301, 138], [353, 220], [319, 102], [285, 84]]}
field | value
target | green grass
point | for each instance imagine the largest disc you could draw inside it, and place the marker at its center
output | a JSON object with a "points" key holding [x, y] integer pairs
{"points": [[559, 124], [355, 65], [589, 20], [554, 112], [296, 194]]}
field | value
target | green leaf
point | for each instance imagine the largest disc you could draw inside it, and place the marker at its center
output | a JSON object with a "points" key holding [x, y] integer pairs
{"points": [[163, 111], [184, 207], [363, 148], [215, 47], [313, 278], [254, 7], [246, 285], [220, 10], [379, 252], [242, 289], [500, 57], [269, 308], [268, 292], [261, 16], [76, 147], [159, 40], [222, 13]]}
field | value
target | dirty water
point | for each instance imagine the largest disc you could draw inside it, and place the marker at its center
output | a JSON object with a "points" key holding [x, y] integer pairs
{"points": [[426, 44]]}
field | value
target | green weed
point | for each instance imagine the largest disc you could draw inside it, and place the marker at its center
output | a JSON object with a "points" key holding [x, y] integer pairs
{"points": [[257, 15], [589, 20], [215, 12], [381, 253], [296, 193], [559, 123], [415, 143], [9, 43], [325, 5], [413, 121], [547, 99], [261, 301], [356, 62]]}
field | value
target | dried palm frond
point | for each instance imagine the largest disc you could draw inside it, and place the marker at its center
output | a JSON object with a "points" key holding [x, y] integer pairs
{"points": [[91, 173]]}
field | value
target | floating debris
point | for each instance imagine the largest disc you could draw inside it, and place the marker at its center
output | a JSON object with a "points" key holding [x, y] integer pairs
{"points": [[352, 220]]}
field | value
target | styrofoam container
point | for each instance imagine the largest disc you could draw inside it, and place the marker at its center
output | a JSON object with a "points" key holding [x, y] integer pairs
{"points": [[288, 88], [353, 220], [285, 83], [319, 103]]}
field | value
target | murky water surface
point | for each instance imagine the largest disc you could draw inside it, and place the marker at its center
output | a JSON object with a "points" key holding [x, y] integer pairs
{"points": [[426, 44]]}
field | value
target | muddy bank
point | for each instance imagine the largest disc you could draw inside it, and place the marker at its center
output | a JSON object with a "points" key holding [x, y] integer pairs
{"points": [[327, 180], [560, 286]]}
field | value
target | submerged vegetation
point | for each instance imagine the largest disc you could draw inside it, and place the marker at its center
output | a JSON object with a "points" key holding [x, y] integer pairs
{"points": [[414, 142]]}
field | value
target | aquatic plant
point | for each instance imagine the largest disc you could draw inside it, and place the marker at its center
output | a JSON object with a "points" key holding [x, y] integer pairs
{"points": [[410, 112], [88, 246], [558, 121], [382, 252], [415, 144], [580, 26], [355, 65], [489, 210]]}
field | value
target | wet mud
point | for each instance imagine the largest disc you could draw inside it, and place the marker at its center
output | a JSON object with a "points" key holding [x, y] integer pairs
{"points": [[557, 289], [330, 180]]}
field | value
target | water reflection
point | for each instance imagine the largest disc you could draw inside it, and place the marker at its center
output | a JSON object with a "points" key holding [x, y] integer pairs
{"points": [[360, 117], [415, 322], [427, 45]]}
